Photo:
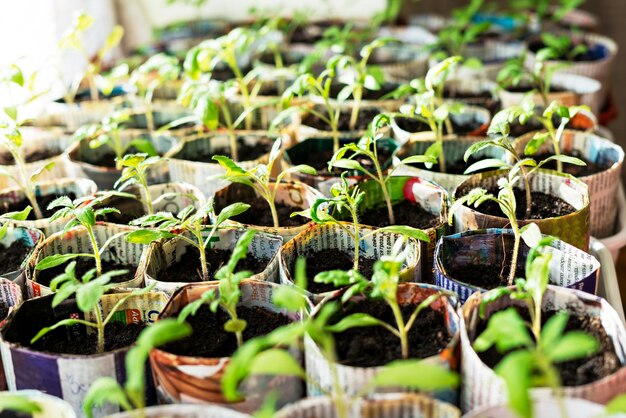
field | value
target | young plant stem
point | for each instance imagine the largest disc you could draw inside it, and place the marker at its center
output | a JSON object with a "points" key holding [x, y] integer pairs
{"points": [[555, 136], [271, 201], [527, 190], [28, 187], [517, 240], [354, 116], [118, 149], [357, 239], [146, 196], [100, 328], [199, 244], [228, 120], [339, 398], [404, 340], [96, 250], [245, 93], [238, 334], [383, 186], [93, 89], [149, 112]]}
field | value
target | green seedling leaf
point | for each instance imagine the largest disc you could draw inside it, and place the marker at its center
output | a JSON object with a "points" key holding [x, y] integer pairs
{"points": [[235, 325], [58, 259], [416, 375], [18, 403], [356, 320], [102, 391], [147, 236], [276, 362], [571, 346]]}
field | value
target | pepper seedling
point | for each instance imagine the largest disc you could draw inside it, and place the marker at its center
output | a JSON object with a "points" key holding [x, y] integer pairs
{"points": [[531, 350], [107, 133], [368, 147], [157, 70], [429, 106], [259, 177], [88, 292], [560, 48], [228, 293], [188, 222], [348, 200], [84, 216], [265, 355], [544, 9], [73, 39], [135, 172], [131, 396]]}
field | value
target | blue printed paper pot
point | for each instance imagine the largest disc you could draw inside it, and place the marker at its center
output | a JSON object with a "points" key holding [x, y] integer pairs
{"points": [[459, 258], [69, 376], [357, 380]]}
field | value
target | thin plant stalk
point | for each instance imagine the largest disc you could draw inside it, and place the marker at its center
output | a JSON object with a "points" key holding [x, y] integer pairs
{"points": [[234, 152], [29, 189], [96, 250]]}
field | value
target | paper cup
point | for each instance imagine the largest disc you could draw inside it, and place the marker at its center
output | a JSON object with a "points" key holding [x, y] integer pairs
{"points": [[184, 411], [570, 267], [74, 115], [401, 63], [546, 407]]}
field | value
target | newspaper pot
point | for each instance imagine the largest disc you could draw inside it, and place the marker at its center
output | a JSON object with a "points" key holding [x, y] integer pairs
{"points": [[69, 376], [190, 161], [604, 48], [414, 35], [354, 380], [295, 195], [177, 196], [324, 237], [400, 63], [198, 379], [570, 267], [572, 228], [481, 386], [74, 115], [76, 241], [310, 150], [603, 186], [431, 197], [184, 411], [51, 406], [573, 89], [303, 130], [168, 90], [391, 405], [28, 238], [476, 117], [84, 161], [62, 187], [479, 92], [162, 254], [47, 142], [548, 406], [164, 112], [10, 299]]}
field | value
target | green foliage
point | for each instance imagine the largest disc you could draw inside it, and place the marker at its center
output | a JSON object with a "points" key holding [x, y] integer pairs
{"points": [[554, 10], [462, 31], [559, 48], [135, 172], [18, 403], [7, 218]]}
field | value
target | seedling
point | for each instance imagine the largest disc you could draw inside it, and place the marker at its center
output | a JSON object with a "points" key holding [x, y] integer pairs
{"points": [[531, 356], [107, 132], [228, 293], [135, 172], [348, 200], [259, 177], [130, 397], [544, 9], [367, 146], [18, 403], [7, 218], [84, 216], [260, 356], [430, 108], [88, 292], [560, 48], [188, 222], [157, 70], [73, 39]]}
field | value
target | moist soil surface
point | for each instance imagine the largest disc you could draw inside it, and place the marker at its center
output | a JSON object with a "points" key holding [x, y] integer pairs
{"points": [[189, 270], [376, 346], [83, 265], [331, 259], [247, 152], [42, 201], [574, 170], [107, 159], [365, 118], [543, 205], [575, 372], [413, 126], [259, 214], [209, 340], [4, 311], [484, 99], [13, 256], [130, 209], [44, 154], [72, 340], [405, 213]]}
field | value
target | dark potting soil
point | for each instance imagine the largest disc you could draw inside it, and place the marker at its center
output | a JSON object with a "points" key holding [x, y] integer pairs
{"points": [[576, 372], [130, 209], [593, 53], [13, 256], [543, 205], [43, 154], [83, 265], [456, 167], [574, 170], [259, 214], [4, 311], [404, 212], [365, 118], [385, 89], [319, 161], [108, 158], [331, 259], [376, 346], [209, 339], [189, 270], [247, 152], [12, 414], [484, 99], [412, 126], [42, 201], [66, 341]]}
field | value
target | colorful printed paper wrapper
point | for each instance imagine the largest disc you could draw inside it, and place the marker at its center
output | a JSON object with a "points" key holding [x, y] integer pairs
{"points": [[10, 299], [162, 254], [190, 161], [62, 187], [329, 236], [354, 380], [184, 379], [481, 386], [391, 405], [603, 186], [303, 152], [570, 267], [30, 238], [572, 228], [296, 195], [77, 241], [69, 376], [432, 199]]}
